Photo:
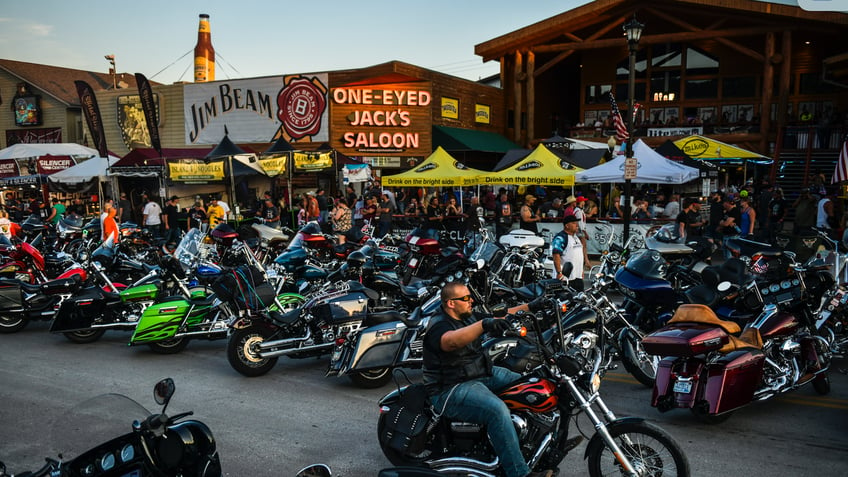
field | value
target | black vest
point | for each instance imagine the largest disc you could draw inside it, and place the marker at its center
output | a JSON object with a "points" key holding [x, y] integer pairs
{"points": [[443, 369]]}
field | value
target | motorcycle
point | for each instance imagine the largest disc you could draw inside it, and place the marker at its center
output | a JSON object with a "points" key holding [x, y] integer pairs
{"points": [[87, 314], [542, 403], [424, 256], [714, 367], [257, 341], [158, 444], [21, 302]]}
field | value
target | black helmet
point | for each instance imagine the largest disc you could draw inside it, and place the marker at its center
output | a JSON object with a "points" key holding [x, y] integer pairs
{"points": [[356, 259]]}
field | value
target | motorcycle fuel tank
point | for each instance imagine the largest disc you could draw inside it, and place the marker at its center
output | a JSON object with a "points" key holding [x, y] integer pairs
{"points": [[538, 395], [140, 293]]}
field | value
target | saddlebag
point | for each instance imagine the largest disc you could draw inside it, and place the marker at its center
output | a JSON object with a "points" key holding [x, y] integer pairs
{"points": [[406, 422], [733, 378], [10, 295]]}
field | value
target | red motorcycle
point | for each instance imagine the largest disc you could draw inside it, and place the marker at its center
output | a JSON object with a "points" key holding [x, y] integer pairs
{"points": [[714, 367], [23, 261]]}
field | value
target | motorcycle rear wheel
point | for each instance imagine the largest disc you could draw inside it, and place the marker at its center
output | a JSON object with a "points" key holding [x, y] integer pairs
{"points": [[84, 336], [821, 384], [171, 346], [10, 324], [371, 379], [650, 449], [241, 355]]}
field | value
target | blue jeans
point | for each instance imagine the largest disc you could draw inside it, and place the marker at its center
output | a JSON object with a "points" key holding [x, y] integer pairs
{"points": [[474, 401]]}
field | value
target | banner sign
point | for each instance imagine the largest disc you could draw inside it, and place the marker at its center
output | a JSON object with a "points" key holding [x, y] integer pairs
{"points": [[33, 136], [131, 122], [274, 166], [92, 117], [50, 164], [257, 110], [195, 171], [682, 131], [312, 161], [150, 107], [9, 168]]}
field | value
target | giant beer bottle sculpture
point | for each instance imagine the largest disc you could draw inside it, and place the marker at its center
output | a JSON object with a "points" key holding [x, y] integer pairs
{"points": [[204, 53]]}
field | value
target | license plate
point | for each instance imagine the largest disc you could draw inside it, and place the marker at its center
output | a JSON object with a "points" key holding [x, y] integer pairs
{"points": [[684, 387], [413, 262]]}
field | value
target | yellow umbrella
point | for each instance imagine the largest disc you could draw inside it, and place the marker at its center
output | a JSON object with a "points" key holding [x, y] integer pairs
{"points": [[440, 169]]}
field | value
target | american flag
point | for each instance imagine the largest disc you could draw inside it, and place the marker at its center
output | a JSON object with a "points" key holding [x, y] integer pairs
{"points": [[841, 172], [621, 134]]}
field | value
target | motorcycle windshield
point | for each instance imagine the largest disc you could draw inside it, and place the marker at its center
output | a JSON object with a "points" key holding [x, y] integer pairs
{"points": [[189, 246], [648, 264], [93, 422]]}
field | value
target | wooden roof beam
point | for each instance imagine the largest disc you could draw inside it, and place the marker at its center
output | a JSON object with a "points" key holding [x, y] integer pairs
{"points": [[565, 54], [731, 44], [661, 38]]}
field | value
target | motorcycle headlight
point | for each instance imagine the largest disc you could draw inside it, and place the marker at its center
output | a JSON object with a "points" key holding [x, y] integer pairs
{"points": [[595, 382]]}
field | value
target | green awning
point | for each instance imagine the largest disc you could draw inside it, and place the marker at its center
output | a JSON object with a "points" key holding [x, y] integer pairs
{"points": [[458, 139]]}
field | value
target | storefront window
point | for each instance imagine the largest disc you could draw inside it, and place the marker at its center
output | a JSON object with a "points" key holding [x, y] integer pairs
{"points": [[702, 88], [621, 92], [669, 55], [664, 84], [622, 70], [739, 87], [596, 94], [699, 63]]}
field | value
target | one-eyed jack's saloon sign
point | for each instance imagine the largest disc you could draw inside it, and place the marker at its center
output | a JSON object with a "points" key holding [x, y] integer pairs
{"points": [[384, 120]]}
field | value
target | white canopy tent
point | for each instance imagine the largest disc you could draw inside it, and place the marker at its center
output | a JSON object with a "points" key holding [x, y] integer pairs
{"points": [[652, 169], [96, 167], [21, 151]]}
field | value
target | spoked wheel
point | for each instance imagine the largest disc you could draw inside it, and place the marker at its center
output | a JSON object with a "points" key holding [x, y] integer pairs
{"points": [[84, 336], [637, 362], [242, 351], [11, 323], [371, 379], [650, 450], [172, 346]]}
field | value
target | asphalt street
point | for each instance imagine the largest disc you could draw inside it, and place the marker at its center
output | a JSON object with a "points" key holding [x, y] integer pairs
{"points": [[276, 424]]}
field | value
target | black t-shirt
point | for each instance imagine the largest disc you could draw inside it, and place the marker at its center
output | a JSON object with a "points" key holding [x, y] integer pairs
{"points": [[687, 219], [737, 221], [270, 214], [386, 216], [126, 212], [173, 215], [777, 210], [197, 217]]}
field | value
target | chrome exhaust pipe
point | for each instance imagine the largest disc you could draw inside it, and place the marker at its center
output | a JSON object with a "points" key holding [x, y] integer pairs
{"points": [[465, 465], [283, 352], [268, 345]]}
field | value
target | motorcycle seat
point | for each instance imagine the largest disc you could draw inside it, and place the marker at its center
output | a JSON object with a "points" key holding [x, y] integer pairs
{"points": [[529, 292], [382, 317], [702, 314], [287, 318], [30, 288]]}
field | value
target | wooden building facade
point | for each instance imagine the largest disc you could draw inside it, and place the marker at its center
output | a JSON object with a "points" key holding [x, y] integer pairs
{"points": [[744, 72]]}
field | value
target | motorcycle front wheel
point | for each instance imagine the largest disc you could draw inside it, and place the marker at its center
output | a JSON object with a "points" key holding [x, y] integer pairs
{"points": [[84, 336], [242, 351], [639, 364], [11, 323], [371, 379], [651, 450]]}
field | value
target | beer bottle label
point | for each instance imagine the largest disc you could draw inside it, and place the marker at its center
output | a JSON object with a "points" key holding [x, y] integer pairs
{"points": [[204, 69]]}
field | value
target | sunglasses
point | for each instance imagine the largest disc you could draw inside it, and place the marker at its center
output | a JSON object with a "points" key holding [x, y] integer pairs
{"points": [[461, 298]]}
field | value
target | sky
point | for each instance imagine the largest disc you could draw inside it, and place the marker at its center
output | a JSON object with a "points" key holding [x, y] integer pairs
{"points": [[261, 38]]}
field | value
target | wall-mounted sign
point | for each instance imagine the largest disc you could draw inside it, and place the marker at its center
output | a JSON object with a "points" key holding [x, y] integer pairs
{"points": [[391, 119], [683, 131], [27, 110], [195, 172], [33, 136], [450, 108], [383, 161], [254, 110], [131, 120], [482, 113]]}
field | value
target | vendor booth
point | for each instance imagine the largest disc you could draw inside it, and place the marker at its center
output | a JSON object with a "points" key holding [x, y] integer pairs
{"points": [[540, 167], [440, 169]]}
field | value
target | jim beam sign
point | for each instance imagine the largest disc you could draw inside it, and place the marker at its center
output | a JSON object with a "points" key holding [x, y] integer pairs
{"points": [[382, 120]]}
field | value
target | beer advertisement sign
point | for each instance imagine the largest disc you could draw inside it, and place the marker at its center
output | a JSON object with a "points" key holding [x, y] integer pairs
{"points": [[257, 109], [195, 172], [274, 166], [312, 161]]}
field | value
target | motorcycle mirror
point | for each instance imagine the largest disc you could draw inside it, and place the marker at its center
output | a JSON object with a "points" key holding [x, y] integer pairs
{"points": [[163, 391], [723, 286], [316, 470]]}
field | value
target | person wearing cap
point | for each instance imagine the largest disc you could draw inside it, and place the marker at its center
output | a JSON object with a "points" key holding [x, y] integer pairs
{"points": [[567, 247], [215, 213], [152, 217], [170, 220], [528, 219]]}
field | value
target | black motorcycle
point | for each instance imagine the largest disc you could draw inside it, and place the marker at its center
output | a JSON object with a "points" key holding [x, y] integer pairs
{"points": [[158, 444]]}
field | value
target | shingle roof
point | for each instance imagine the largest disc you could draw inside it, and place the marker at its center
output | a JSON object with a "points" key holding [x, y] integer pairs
{"points": [[59, 82]]}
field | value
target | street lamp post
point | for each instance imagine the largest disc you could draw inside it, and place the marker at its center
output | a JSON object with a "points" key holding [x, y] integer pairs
{"points": [[633, 31]]}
